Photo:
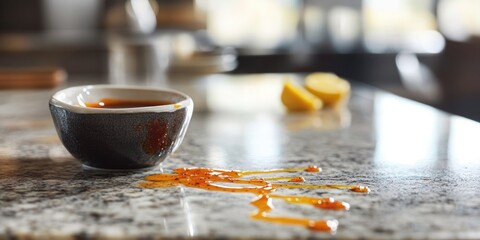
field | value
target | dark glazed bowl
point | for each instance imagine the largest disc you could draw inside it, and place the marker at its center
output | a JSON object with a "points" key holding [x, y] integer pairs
{"points": [[120, 138]]}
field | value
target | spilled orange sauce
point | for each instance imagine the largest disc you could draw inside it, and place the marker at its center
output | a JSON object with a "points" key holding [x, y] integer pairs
{"points": [[211, 179]]}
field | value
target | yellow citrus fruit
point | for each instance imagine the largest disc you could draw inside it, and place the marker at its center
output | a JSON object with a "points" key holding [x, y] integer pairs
{"points": [[328, 87], [296, 98]]}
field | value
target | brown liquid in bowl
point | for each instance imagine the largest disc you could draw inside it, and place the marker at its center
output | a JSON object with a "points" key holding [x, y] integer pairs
{"points": [[124, 103]]}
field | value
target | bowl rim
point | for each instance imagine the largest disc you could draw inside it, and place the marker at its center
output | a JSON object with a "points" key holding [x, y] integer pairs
{"points": [[55, 101]]}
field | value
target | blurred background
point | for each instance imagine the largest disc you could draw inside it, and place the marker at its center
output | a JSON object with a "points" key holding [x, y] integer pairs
{"points": [[426, 50]]}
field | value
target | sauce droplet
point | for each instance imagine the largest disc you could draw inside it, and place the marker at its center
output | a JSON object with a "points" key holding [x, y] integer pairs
{"points": [[324, 225], [313, 169], [297, 179], [363, 189]]}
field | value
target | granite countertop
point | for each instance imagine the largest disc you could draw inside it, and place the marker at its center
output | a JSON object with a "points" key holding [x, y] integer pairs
{"points": [[422, 166]]}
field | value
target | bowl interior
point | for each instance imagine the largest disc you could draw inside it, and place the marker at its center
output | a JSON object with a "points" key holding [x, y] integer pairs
{"points": [[75, 98]]}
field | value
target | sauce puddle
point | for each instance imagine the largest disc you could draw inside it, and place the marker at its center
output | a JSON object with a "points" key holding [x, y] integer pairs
{"points": [[208, 179]]}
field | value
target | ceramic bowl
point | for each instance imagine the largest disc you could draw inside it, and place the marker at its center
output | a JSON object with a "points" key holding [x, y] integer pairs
{"points": [[135, 138]]}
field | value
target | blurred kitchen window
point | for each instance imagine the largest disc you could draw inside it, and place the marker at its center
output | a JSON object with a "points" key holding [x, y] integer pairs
{"points": [[265, 24], [399, 25], [344, 27], [71, 15], [459, 19], [333, 23], [315, 19]]}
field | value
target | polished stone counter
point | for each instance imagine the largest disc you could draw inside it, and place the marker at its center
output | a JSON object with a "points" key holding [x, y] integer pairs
{"points": [[422, 165]]}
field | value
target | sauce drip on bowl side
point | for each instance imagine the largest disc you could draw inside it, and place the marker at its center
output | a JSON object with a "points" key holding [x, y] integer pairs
{"points": [[209, 179]]}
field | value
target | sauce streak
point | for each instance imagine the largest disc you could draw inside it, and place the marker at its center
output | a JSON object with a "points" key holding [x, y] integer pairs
{"points": [[157, 137], [124, 103], [208, 179]]}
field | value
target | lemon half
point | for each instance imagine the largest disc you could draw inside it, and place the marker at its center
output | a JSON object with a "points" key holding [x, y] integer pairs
{"points": [[296, 98], [328, 87]]}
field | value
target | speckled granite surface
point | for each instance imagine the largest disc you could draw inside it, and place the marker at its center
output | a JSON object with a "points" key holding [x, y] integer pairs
{"points": [[422, 165]]}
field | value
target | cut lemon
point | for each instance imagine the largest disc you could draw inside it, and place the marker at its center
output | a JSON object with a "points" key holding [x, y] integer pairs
{"points": [[328, 87], [296, 98]]}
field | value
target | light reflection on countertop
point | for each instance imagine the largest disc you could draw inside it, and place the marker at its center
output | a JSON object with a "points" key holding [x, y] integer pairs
{"points": [[463, 139], [406, 132], [412, 135]]}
